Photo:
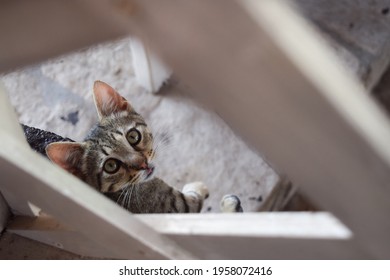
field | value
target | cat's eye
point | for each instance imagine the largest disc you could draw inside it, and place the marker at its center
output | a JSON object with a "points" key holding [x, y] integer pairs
{"points": [[111, 166], [133, 136]]}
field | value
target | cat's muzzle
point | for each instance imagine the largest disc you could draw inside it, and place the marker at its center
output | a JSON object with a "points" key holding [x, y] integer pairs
{"points": [[148, 171]]}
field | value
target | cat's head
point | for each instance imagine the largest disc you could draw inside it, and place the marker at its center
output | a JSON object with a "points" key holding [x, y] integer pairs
{"points": [[117, 152]]}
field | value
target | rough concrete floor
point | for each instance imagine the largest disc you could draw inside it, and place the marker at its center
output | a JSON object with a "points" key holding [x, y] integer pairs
{"points": [[358, 30]]}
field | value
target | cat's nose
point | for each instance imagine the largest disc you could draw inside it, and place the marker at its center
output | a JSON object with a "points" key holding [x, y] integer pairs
{"points": [[143, 165], [139, 163]]}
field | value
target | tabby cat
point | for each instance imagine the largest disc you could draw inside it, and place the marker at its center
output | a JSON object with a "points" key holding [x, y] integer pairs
{"points": [[116, 159]]}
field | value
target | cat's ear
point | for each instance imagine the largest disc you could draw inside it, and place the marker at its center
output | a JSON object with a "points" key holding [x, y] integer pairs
{"points": [[108, 101], [68, 155]]}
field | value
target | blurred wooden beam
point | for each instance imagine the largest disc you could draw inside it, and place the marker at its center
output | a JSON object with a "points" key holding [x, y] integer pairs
{"points": [[272, 80], [32, 31], [218, 236]]}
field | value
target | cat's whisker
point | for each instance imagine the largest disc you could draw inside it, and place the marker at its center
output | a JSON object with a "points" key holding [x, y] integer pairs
{"points": [[129, 197], [162, 147], [126, 199], [161, 136], [135, 178], [123, 198], [119, 197], [124, 190], [159, 151]]}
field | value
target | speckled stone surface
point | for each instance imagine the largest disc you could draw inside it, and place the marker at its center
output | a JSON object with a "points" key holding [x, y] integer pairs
{"points": [[359, 30], [57, 96]]}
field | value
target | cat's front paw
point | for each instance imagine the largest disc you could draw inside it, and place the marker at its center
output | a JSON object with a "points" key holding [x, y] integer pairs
{"points": [[230, 203], [197, 187]]}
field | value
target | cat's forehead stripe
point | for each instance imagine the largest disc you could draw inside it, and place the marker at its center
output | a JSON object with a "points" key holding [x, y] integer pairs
{"points": [[140, 124], [112, 137], [104, 151]]}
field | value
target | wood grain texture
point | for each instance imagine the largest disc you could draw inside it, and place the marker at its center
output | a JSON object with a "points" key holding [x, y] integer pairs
{"points": [[49, 231]]}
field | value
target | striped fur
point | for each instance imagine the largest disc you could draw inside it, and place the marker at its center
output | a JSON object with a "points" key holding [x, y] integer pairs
{"points": [[116, 158], [130, 181], [155, 196]]}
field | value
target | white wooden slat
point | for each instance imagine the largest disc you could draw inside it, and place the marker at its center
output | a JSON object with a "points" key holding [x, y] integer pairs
{"points": [[220, 236], [75, 204], [306, 225], [266, 248], [259, 235], [8, 118], [149, 71], [8, 124], [316, 123]]}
